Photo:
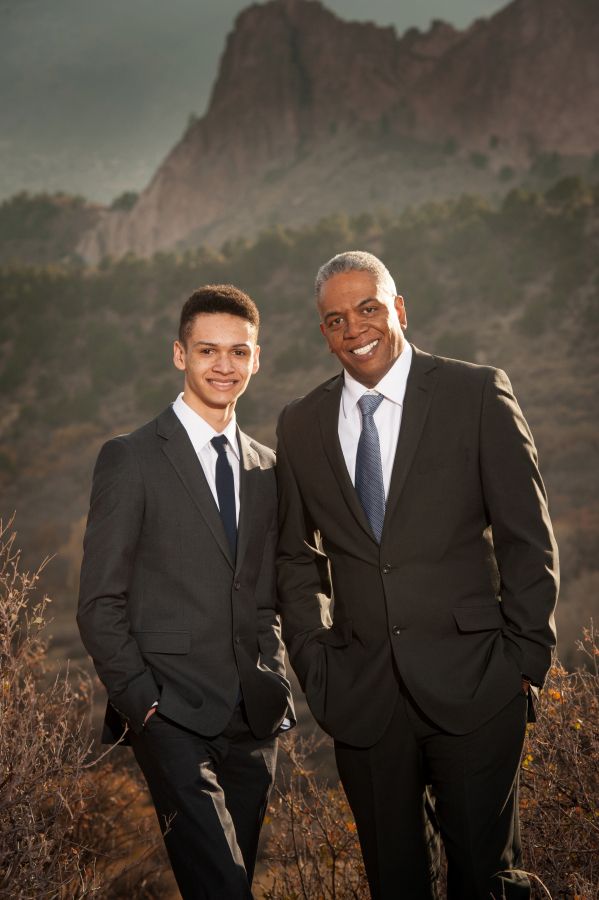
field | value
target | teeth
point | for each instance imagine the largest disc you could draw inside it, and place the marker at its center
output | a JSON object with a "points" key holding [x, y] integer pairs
{"points": [[361, 351]]}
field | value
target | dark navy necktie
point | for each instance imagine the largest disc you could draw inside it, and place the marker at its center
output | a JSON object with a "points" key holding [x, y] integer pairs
{"points": [[225, 491], [369, 469]]}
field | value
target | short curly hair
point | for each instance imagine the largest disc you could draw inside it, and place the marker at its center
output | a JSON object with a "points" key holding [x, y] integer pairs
{"points": [[217, 298]]}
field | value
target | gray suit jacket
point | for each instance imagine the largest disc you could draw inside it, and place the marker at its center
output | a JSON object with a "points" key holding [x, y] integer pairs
{"points": [[164, 610], [458, 597]]}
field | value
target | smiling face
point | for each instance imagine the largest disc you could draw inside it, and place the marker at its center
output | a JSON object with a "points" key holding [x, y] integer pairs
{"points": [[219, 356], [363, 324]]}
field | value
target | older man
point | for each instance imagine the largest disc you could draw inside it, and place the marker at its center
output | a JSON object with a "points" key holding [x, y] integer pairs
{"points": [[410, 493]]}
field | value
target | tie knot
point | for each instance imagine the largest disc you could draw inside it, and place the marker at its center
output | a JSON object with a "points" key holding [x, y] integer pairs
{"points": [[219, 443], [369, 403]]}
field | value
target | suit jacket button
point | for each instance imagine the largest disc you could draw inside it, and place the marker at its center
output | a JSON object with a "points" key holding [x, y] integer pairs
{"points": [[386, 569], [237, 639], [396, 630], [237, 585]]}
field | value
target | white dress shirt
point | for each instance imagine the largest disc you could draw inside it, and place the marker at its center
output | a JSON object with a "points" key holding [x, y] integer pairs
{"points": [[200, 434], [387, 418]]}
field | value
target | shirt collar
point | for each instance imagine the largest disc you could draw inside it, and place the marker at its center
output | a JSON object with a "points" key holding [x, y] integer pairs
{"points": [[392, 385], [199, 431]]}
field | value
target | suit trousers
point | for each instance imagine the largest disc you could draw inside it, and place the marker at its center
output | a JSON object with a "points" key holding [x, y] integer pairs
{"points": [[210, 795], [472, 804]]}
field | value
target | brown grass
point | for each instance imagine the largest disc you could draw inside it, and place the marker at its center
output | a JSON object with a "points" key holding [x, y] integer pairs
{"points": [[70, 825], [313, 851], [74, 826]]}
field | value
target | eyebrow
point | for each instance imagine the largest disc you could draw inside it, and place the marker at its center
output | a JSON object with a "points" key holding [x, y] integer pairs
{"points": [[213, 344], [359, 306]]}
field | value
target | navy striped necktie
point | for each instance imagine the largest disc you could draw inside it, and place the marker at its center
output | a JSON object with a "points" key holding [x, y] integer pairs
{"points": [[369, 469], [225, 491]]}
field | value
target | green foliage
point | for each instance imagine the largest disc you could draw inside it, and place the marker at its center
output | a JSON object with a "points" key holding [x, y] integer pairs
{"points": [[547, 166], [457, 345], [248, 409], [125, 201], [363, 224], [24, 216], [299, 354], [152, 396], [534, 318], [110, 355], [58, 408], [312, 246], [7, 463], [567, 191], [75, 342], [594, 166], [479, 160], [43, 227]]}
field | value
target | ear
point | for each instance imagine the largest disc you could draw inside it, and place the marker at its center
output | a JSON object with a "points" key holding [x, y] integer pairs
{"points": [[256, 363], [179, 356], [401, 311]]}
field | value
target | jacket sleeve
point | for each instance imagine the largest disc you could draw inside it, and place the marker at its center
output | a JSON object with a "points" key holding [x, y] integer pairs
{"points": [[113, 529], [524, 544], [272, 650], [302, 569]]}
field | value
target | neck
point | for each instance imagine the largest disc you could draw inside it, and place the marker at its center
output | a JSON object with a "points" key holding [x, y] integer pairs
{"points": [[218, 417]]}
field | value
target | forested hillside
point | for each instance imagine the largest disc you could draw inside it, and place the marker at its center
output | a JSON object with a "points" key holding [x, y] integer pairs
{"points": [[85, 353]]}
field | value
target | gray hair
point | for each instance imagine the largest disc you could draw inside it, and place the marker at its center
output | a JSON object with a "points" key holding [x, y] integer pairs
{"points": [[355, 261]]}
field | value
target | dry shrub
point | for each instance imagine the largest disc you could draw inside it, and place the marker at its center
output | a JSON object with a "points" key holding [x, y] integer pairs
{"points": [[313, 852], [70, 827], [560, 782]]}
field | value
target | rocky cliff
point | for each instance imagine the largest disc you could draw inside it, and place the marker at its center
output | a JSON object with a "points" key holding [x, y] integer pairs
{"points": [[312, 114]]}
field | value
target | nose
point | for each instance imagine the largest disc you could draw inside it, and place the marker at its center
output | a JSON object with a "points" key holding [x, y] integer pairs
{"points": [[354, 326], [223, 364]]}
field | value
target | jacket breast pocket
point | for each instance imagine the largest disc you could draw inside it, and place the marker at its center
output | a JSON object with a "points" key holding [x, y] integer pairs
{"points": [[163, 641], [479, 618]]}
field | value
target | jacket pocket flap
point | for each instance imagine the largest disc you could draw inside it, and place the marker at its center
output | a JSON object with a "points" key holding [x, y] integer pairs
{"points": [[337, 636], [163, 641], [478, 618]]}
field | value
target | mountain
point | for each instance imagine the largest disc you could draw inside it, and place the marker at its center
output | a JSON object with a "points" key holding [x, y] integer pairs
{"points": [[311, 114]]}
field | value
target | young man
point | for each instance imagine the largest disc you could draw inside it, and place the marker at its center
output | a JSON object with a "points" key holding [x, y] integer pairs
{"points": [[177, 603], [409, 489]]}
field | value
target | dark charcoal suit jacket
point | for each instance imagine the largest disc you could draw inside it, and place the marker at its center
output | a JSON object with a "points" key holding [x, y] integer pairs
{"points": [[164, 610], [459, 596]]}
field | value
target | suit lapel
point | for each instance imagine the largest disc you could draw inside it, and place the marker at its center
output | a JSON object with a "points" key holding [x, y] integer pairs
{"points": [[328, 416], [419, 392], [179, 450], [248, 493]]}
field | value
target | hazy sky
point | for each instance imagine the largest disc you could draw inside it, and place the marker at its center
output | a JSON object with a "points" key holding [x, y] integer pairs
{"points": [[93, 93]]}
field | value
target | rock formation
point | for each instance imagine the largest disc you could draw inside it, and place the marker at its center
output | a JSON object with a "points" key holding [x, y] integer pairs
{"points": [[311, 114]]}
